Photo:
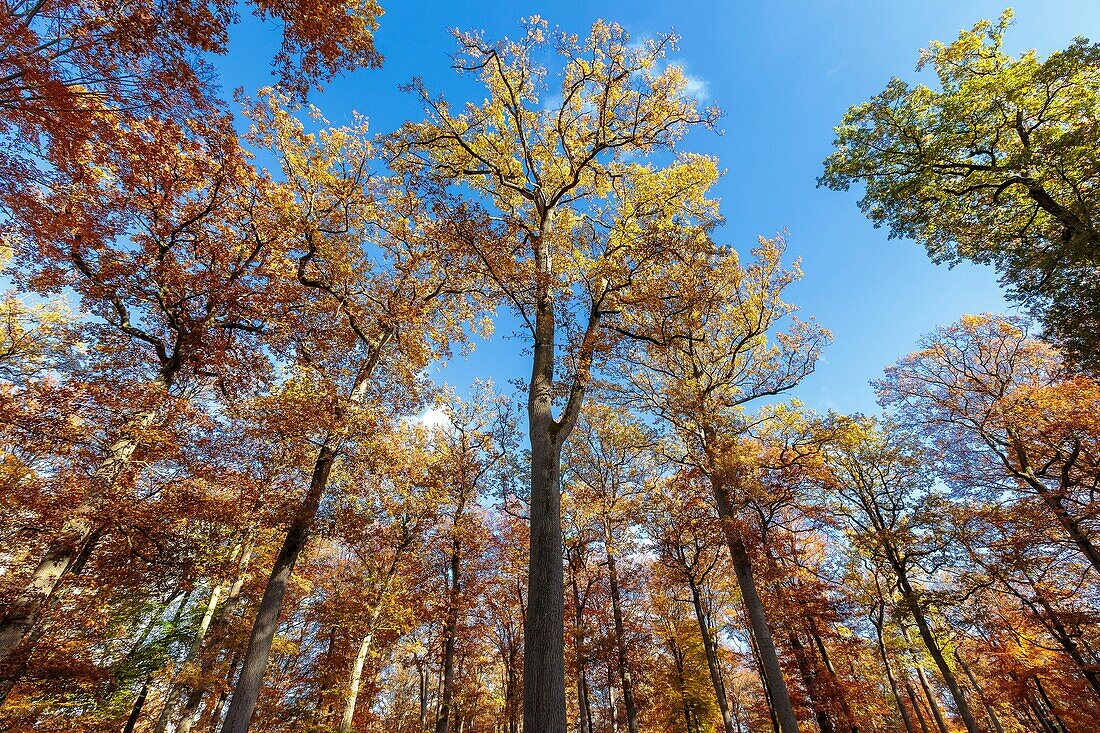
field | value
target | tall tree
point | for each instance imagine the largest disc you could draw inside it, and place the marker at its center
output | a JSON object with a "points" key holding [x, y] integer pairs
{"points": [[711, 347], [997, 408], [376, 305], [586, 225], [998, 165]]}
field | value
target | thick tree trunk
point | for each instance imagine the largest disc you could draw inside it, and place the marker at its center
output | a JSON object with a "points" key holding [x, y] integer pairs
{"points": [[239, 716], [711, 655], [620, 634], [543, 642], [758, 620]]}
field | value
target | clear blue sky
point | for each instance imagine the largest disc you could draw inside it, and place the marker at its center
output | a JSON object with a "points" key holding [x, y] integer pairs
{"points": [[784, 73]]}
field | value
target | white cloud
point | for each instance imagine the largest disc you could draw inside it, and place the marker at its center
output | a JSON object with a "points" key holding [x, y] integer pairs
{"points": [[434, 418]]}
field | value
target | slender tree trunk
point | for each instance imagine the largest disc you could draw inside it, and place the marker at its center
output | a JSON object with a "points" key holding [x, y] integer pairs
{"points": [[243, 553], [1071, 524], [758, 620], [219, 632], [612, 703], [1060, 725], [584, 703], [450, 632], [620, 634], [711, 655], [930, 696], [930, 643], [678, 661], [135, 711], [423, 695], [918, 710], [994, 721], [22, 614], [239, 716], [905, 721], [810, 682], [356, 676]]}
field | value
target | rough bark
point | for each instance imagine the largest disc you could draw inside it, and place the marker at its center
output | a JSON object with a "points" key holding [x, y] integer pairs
{"points": [[239, 716], [543, 642], [758, 621], [711, 655]]}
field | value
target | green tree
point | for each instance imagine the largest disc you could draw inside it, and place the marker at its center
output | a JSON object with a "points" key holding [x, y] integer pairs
{"points": [[998, 166]]}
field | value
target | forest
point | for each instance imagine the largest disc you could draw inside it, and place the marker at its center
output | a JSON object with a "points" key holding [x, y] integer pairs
{"points": [[235, 493]]}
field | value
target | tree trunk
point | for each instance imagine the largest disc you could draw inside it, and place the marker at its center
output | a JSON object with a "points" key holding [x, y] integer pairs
{"points": [[176, 689], [239, 716], [23, 613], [620, 635], [930, 696], [810, 682], [135, 711], [905, 721], [219, 632], [930, 643], [758, 620], [994, 721], [917, 709], [711, 655], [1069, 523], [543, 642], [450, 633]]}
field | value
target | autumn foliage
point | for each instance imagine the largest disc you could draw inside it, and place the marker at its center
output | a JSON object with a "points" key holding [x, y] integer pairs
{"points": [[234, 494]]}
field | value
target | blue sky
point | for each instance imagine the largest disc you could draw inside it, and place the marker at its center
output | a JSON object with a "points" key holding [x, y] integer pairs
{"points": [[784, 73]]}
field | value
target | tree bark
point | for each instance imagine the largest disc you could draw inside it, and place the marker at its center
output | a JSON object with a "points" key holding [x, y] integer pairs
{"points": [[758, 621], [917, 709], [930, 696], [135, 711], [450, 633], [711, 655], [620, 634], [543, 643], [239, 716]]}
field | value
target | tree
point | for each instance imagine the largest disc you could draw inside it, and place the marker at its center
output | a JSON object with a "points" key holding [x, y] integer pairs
{"points": [[609, 470], [708, 349], [996, 407], [375, 305], [880, 480], [998, 166], [585, 226], [164, 244]]}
